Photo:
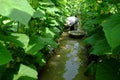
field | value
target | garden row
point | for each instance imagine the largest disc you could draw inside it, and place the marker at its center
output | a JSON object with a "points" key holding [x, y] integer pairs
{"points": [[100, 18], [29, 30]]}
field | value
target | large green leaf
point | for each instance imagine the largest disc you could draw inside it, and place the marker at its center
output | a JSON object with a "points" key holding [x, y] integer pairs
{"points": [[90, 23], [18, 10], [101, 47], [94, 38], [26, 73], [90, 40], [38, 43], [5, 56], [108, 70], [34, 48], [99, 44], [17, 38], [35, 45], [111, 29]]}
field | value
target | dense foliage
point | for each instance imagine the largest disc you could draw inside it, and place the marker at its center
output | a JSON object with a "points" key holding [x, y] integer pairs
{"points": [[100, 18], [29, 30]]}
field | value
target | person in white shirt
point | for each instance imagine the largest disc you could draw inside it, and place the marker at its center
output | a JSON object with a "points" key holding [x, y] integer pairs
{"points": [[72, 22]]}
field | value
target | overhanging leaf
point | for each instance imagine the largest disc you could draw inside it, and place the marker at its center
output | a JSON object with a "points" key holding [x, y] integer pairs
{"points": [[92, 22], [35, 45], [24, 39], [17, 38], [26, 73], [18, 10], [93, 39], [101, 48], [5, 56], [111, 28]]}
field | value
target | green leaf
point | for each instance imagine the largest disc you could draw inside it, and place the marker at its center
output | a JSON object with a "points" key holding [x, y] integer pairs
{"points": [[54, 23], [99, 44], [17, 38], [52, 10], [101, 48], [94, 38], [39, 13], [21, 38], [18, 10], [55, 30], [34, 48], [26, 73], [108, 69], [90, 23], [46, 3], [111, 28], [5, 56], [50, 32], [49, 41], [35, 45], [26, 78], [40, 59]]}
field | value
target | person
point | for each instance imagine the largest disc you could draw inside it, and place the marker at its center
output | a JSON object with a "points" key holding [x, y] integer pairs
{"points": [[72, 22]]}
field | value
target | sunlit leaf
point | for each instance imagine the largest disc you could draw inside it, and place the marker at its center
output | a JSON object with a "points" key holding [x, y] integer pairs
{"points": [[26, 73], [18, 10], [35, 45], [38, 43], [52, 10], [54, 23], [23, 38], [46, 2], [50, 32], [17, 38]]}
